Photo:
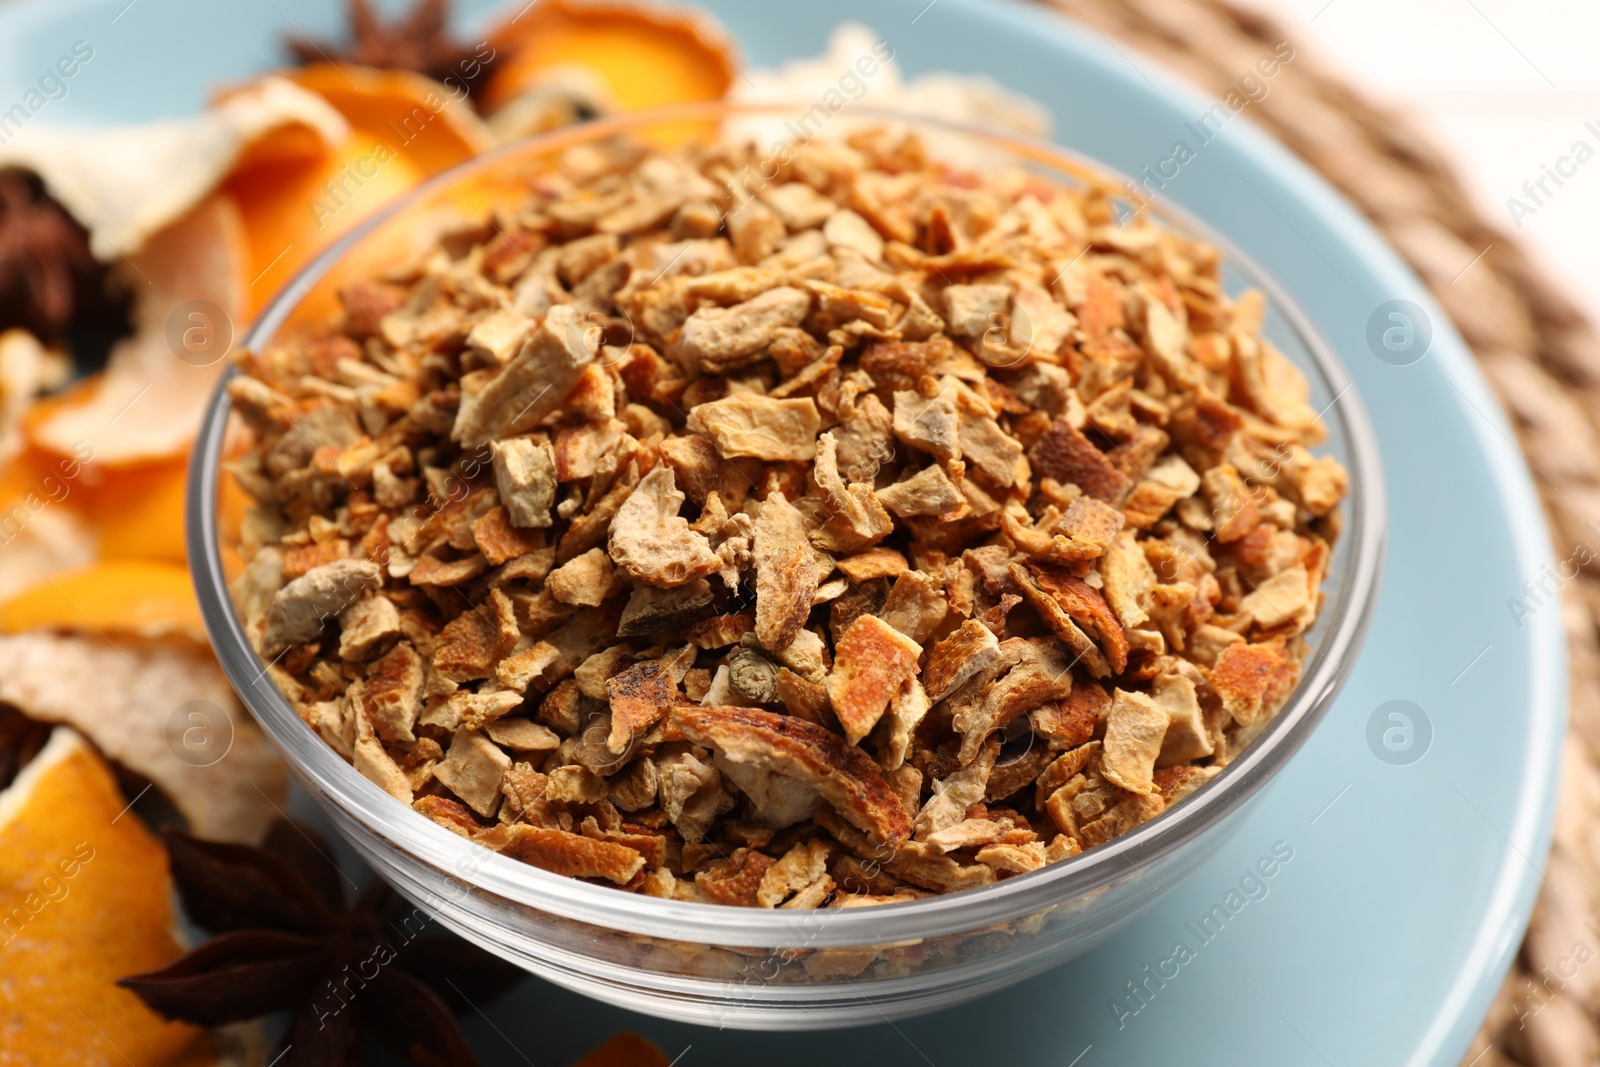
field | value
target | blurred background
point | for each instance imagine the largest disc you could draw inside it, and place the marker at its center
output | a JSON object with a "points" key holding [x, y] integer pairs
{"points": [[1507, 88]]}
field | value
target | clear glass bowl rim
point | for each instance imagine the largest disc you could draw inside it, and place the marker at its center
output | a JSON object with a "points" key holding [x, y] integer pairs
{"points": [[1351, 604]]}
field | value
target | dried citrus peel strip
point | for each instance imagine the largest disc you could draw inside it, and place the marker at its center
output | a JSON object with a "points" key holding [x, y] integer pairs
{"points": [[646, 58], [138, 512], [145, 598], [87, 899], [127, 183], [626, 1049], [163, 710], [403, 128], [147, 404]]}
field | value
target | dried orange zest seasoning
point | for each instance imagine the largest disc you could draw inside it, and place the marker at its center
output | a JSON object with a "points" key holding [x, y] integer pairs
{"points": [[829, 539]]}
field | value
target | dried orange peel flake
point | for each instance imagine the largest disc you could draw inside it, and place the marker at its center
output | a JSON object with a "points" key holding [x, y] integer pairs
{"points": [[146, 598], [626, 1049], [85, 898], [1022, 505], [646, 58], [164, 710], [403, 128], [845, 776]]}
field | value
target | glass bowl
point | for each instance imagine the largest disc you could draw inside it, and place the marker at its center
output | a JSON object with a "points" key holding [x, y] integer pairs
{"points": [[774, 969]]}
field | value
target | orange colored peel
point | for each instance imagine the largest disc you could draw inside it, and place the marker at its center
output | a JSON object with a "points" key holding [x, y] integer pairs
{"points": [[147, 404], [138, 512], [626, 1049], [646, 58], [426, 121], [404, 127], [85, 898], [289, 214], [147, 598]]}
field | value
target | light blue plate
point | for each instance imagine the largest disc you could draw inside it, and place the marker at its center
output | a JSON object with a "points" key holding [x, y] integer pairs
{"points": [[1382, 940]]}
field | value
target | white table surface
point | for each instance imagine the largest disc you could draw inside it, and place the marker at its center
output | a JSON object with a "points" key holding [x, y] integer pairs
{"points": [[1506, 87]]}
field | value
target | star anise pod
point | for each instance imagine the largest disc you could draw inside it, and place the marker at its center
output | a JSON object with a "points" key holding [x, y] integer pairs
{"points": [[419, 41], [49, 280], [20, 740], [285, 940]]}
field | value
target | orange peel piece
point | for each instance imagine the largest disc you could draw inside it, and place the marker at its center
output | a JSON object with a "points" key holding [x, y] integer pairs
{"points": [[127, 183], [147, 404], [626, 1049], [87, 899], [290, 215], [147, 196], [645, 58], [162, 709], [403, 128], [138, 513], [42, 530], [435, 125], [145, 598]]}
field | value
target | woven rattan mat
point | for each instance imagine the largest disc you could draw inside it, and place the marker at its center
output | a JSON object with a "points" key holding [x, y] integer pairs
{"points": [[1543, 358]]}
